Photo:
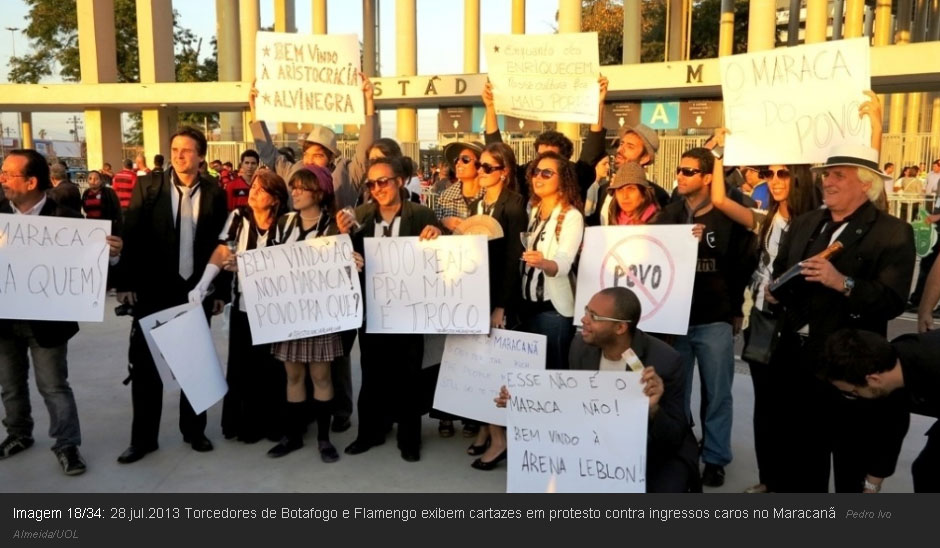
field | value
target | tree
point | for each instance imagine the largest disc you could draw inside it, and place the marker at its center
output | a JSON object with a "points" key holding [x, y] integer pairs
{"points": [[53, 34], [606, 18]]}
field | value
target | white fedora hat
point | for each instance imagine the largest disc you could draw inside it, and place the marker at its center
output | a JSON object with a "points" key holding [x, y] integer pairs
{"points": [[848, 154]]}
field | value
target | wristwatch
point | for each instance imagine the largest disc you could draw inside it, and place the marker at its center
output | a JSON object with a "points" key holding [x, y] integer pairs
{"points": [[869, 486], [848, 285], [718, 152]]}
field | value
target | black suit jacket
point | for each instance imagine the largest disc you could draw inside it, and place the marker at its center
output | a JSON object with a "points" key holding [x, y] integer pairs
{"points": [[878, 254], [48, 334], [149, 264], [669, 436], [505, 252]]}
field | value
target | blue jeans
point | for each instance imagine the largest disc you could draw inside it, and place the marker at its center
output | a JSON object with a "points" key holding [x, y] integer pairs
{"points": [[51, 379], [712, 345], [558, 329]]}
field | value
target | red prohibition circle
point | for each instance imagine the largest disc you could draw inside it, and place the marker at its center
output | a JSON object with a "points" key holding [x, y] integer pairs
{"points": [[612, 255]]}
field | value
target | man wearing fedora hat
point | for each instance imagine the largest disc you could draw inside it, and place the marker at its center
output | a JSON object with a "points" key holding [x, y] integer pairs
{"points": [[863, 287]]}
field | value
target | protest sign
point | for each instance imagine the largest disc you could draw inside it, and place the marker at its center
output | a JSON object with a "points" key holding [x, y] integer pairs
{"points": [[431, 286], [186, 344], [473, 368], [308, 78], [146, 324], [576, 432], [53, 268], [550, 78], [792, 105], [300, 289], [656, 262]]}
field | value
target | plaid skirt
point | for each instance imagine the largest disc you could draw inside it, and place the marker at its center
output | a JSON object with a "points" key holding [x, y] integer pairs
{"points": [[322, 348]]}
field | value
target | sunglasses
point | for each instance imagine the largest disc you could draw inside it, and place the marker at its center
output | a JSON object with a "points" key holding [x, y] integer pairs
{"points": [[487, 168], [687, 171], [780, 173], [468, 160], [380, 183], [546, 173]]}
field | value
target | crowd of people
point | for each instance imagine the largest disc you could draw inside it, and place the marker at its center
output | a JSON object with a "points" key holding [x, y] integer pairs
{"points": [[806, 253]]}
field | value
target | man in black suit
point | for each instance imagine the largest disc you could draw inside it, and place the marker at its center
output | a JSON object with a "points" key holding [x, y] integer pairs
{"points": [[862, 364], [610, 341], [25, 180], [863, 287], [171, 228]]}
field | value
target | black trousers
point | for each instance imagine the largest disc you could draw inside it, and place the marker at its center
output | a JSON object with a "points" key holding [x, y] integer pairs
{"points": [[147, 397], [391, 387], [816, 429], [763, 425], [926, 467]]}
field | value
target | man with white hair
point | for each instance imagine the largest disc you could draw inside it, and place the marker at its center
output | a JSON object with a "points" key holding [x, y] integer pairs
{"points": [[863, 286]]}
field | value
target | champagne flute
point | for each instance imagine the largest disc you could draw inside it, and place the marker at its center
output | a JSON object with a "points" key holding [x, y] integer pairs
{"points": [[525, 236]]}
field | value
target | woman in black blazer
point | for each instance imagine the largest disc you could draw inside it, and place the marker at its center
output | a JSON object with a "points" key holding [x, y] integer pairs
{"points": [[391, 364], [497, 177]]}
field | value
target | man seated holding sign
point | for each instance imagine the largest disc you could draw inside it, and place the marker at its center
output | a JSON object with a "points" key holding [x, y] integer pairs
{"points": [[610, 341]]}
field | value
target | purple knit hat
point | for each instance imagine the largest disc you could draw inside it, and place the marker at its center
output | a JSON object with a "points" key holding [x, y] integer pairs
{"points": [[324, 178]]}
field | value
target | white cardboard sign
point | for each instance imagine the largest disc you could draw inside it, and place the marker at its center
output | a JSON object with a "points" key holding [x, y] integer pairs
{"points": [[473, 368], [656, 262], [53, 268], [792, 105], [308, 78], [300, 289], [576, 432], [430, 286]]}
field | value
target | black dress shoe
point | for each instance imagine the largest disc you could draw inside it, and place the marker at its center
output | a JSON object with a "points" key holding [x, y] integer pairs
{"points": [[134, 454], [477, 450], [480, 464], [360, 446], [284, 447], [200, 444], [340, 424], [410, 455]]}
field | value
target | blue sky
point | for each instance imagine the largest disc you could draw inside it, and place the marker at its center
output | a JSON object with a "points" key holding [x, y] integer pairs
{"points": [[440, 40]]}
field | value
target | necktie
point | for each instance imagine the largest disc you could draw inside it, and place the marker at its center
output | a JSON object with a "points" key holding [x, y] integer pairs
{"points": [[186, 234]]}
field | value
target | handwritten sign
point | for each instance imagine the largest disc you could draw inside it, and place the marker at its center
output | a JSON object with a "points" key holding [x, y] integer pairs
{"points": [[308, 78], [656, 262], [186, 343], [792, 105], [473, 368], [430, 286], [300, 289], [53, 268], [576, 432], [551, 77]]}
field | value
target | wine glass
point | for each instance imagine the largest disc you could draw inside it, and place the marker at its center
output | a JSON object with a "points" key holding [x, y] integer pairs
{"points": [[524, 237]]}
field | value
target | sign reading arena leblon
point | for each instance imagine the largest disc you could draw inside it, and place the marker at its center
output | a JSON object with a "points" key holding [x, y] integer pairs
{"points": [[792, 105], [308, 78], [53, 268], [550, 77], [430, 286]]}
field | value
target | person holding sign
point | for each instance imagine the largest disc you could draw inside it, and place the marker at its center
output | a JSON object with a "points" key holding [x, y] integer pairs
{"points": [[312, 196], [171, 228], [390, 379], [25, 180], [610, 341], [592, 150], [725, 264], [552, 242], [497, 176], [319, 149], [863, 287], [792, 193], [251, 409]]}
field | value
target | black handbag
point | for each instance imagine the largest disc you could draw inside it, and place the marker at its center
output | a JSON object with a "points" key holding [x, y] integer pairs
{"points": [[760, 337]]}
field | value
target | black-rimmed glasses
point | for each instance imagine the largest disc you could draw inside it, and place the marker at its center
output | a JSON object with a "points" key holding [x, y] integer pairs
{"points": [[487, 168]]}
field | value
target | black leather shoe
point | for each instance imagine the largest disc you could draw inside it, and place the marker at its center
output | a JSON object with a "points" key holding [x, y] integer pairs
{"points": [[360, 446], [410, 455], [713, 475], [200, 444], [340, 424], [328, 453], [480, 464], [134, 454], [284, 447], [477, 450]]}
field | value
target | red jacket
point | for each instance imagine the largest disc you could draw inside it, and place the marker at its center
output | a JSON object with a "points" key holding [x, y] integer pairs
{"points": [[237, 192]]}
